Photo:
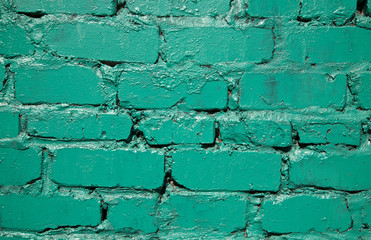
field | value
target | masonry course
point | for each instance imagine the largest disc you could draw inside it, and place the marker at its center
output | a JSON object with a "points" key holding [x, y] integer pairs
{"points": [[182, 119]]}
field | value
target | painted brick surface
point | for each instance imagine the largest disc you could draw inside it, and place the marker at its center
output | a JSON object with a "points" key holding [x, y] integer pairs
{"points": [[338, 171], [18, 167], [136, 213], [227, 171], [40, 213], [329, 45], [108, 168], [210, 45], [338, 11], [178, 8], [215, 212], [95, 7], [185, 119], [104, 42], [81, 125], [9, 122], [184, 130], [68, 84], [317, 132], [236, 129], [305, 213], [14, 41], [285, 90]]}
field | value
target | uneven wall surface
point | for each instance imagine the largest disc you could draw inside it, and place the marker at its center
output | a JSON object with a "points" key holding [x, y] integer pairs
{"points": [[185, 119]]}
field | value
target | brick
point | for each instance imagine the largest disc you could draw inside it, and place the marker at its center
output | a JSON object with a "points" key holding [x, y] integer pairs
{"points": [[339, 171], [179, 130], [104, 168], [223, 170], [362, 90], [9, 124], [136, 213], [68, 84], [81, 125], [334, 133], [14, 41], [367, 8], [258, 132], [2, 72], [329, 45], [359, 205], [273, 8], [338, 11], [179, 8], [212, 45], [140, 90], [215, 212], [104, 42], [143, 90], [213, 96], [95, 7], [305, 213], [40, 213], [288, 90], [17, 167]]}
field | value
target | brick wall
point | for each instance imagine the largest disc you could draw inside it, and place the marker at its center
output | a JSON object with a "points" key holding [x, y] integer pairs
{"points": [[181, 119]]}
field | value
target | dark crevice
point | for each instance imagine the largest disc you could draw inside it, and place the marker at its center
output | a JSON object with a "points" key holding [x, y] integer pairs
{"points": [[161, 190], [103, 211], [283, 149], [37, 14], [110, 63], [361, 5], [33, 180]]}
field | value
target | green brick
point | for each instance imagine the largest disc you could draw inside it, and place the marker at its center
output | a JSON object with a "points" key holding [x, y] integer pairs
{"points": [[348, 171], [2, 72], [134, 213], [286, 90], [222, 170], [329, 45], [257, 132], [212, 45], [334, 133], [273, 8], [362, 90], [104, 168], [143, 90], [367, 9], [14, 41], [214, 212], [79, 125], [213, 96], [104, 42], [178, 8], [95, 7], [40, 213], [9, 124], [305, 213], [179, 130], [17, 167], [338, 11], [359, 205], [68, 84]]}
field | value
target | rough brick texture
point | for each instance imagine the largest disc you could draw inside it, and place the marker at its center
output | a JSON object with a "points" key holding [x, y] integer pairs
{"points": [[227, 171], [40, 213], [101, 168], [95, 7], [18, 167], [305, 213], [185, 119]]}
